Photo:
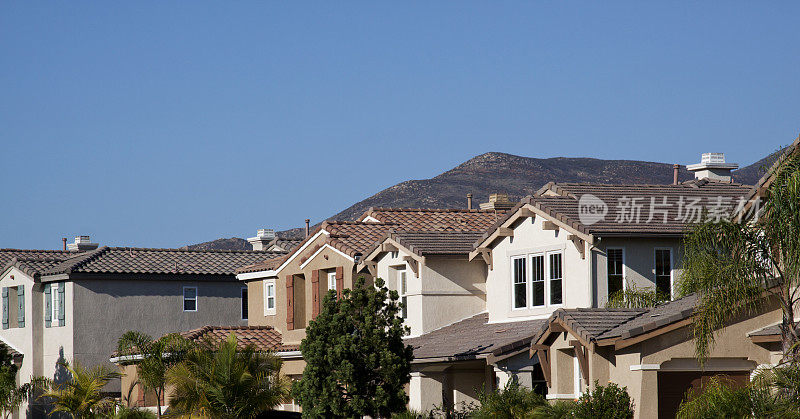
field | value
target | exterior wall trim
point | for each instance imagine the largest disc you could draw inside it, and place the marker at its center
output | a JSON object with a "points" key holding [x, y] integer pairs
{"points": [[645, 367]]}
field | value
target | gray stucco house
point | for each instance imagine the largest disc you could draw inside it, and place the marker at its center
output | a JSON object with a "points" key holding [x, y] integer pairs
{"points": [[74, 304]]}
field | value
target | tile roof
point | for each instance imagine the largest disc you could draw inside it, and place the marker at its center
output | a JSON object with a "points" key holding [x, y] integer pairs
{"points": [[419, 219], [432, 242], [759, 189], [129, 260], [472, 338], [263, 338], [561, 202], [282, 244], [771, 330], [593, 324]]}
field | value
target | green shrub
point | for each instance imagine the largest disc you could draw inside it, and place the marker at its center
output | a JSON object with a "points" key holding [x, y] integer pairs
{"points": [[609, 402], [512, 402], [133, 413], [561, 409]]}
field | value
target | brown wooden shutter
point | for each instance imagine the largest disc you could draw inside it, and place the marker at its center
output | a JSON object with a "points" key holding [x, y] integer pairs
{"points": [[289, 302], [315, 305], [339, 281]]}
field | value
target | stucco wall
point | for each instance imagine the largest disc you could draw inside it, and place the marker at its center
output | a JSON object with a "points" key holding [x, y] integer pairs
{"points": [[325, 259], [529, 237], [446, 290], [107, 308], [639, 262]]}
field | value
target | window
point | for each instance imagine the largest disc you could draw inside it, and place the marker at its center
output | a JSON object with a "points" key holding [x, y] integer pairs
{"points": [[189, 298], [269, 298], [55, 306], [664, 271], [540, 285], [520, 284], [332, 280], [555, 279], [615, 268], [244, 303], [14, 307], [537, 280], [402, 287]]}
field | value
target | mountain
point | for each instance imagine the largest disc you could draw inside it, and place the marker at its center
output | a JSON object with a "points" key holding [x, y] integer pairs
{"points": [[516, 176]]}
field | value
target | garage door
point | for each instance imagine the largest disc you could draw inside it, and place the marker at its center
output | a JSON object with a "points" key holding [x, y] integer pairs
{"points": [[673, 385]]}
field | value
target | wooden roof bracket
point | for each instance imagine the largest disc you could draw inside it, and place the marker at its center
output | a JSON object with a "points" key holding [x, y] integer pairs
{"points": [[414, 263], [372, 267], [388, 247], [549, 225], [583, 362], [579, 243], [544, 360]]}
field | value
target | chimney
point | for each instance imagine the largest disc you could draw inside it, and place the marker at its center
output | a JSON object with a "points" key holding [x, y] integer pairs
{"points": [[675, 168], [307, 226], [497, 201], [712, 166], [82, 244], [64, 243], [469, 201], [262, 238]]}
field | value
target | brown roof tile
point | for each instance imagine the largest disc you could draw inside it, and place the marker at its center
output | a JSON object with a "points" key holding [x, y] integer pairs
{"points": [[471, 338], [263, 338], [417, 219]]}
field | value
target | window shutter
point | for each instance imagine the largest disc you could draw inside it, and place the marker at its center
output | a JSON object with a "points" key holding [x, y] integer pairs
{"points": [[21, 306], [48, 305], [315, 293], [5, 307], [339, 281], [61, 287], [289, 302]]}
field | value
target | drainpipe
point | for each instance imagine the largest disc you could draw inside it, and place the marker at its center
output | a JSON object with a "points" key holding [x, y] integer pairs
{"points": [[469, 201], [307, 226]]}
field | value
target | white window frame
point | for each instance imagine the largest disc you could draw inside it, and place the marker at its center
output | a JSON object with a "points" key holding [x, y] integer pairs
{"points": [[54, 307], [545, 254], [402, 275], [183, 301], [527, 283], [270, 283], [671, 270], [332, 280], [624, 276], [242, 299]]}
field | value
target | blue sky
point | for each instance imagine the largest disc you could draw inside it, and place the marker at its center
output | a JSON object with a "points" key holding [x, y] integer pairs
{"points": [[160, 124]]}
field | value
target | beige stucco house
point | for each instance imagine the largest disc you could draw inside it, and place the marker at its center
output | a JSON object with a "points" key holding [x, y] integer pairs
{"points": [[74, 304]]}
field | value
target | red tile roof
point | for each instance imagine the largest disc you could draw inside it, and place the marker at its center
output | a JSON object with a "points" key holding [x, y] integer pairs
{"points": [[263, 338]]}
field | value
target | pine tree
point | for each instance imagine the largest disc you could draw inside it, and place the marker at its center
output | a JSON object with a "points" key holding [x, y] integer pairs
{"points": [[356, 361]]}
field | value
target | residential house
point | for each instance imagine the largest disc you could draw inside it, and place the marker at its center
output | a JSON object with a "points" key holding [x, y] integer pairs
{"points": [[568, 246], [286, 292], [73, 305]]}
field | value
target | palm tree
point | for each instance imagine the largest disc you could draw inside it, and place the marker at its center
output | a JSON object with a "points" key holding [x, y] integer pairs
{"points": [[11, 395], [220, 380], [81, 396], [154, 358], [744, 262]]}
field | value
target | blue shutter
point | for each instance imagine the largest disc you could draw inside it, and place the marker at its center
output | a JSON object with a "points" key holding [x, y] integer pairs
{"points": [[61, 287], [5, 307], [21, 306], [48, 305]]}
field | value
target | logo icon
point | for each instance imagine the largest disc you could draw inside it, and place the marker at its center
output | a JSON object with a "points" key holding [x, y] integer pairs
{"points": [[591, 209]]}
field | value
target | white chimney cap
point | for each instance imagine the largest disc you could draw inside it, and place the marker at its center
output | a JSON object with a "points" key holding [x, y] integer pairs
{"points": [[713, 158], [265, 233]]}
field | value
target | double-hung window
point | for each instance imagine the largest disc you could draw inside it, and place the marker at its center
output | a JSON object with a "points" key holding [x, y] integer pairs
{"points": [[402, 287], [537, 280], [520, 284], [663, 270], [616, 263], [269, 298], [556, 279], [189, 298], [332, 281]]}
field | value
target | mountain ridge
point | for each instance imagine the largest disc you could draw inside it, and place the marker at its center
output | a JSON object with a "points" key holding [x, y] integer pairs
{"points": [[517, 176]]}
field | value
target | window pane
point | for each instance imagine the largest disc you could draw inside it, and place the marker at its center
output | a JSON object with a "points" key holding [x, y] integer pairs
{"points": [[663, 271], [189, 305], [555, 279], [244, 304], [332, 281], [405, 307], [189, 293], [270, 296], [615, 268], [520, 289], [403, 282], [537, 280]]}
